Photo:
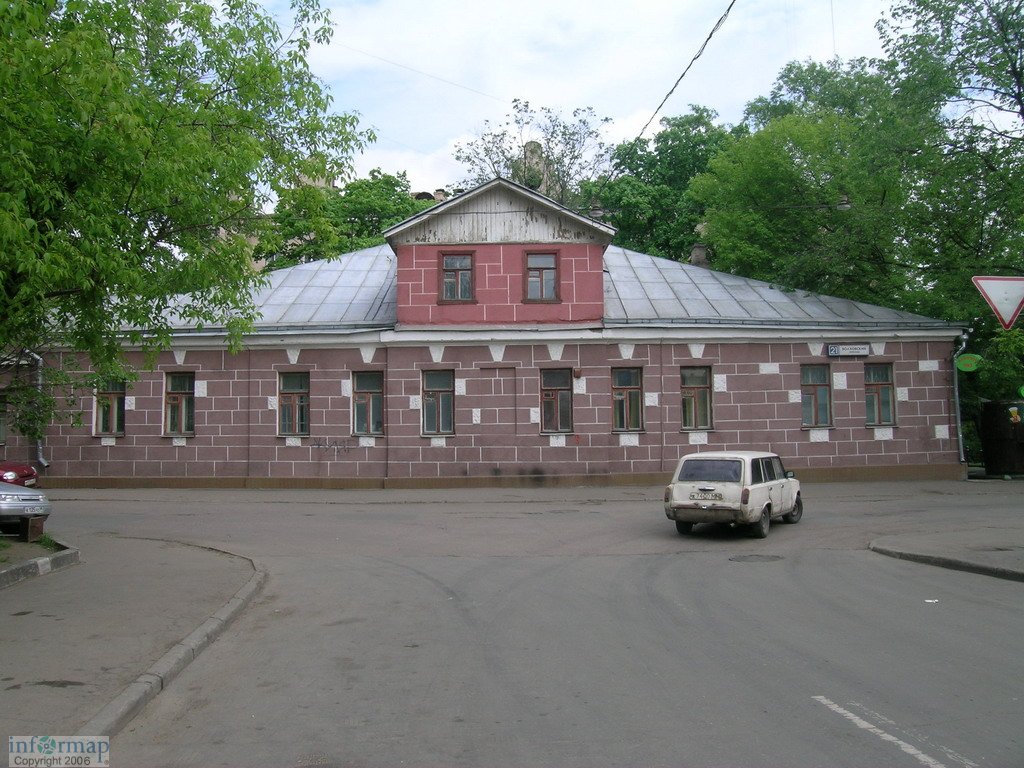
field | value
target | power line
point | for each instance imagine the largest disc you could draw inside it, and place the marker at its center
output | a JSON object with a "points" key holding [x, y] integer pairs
{"points": [[696, 56]]}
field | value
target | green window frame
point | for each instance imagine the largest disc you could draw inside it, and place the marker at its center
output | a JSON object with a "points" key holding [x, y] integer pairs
{"points": [[556, 400], [695, 397], [293, 403], [180, 405], [627, 400], [368, 403], [879, 394], [110, 406], [438, 406], [816, 395]]}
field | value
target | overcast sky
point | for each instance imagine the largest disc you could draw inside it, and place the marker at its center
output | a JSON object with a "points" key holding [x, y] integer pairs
{"points": [[426, 74]]}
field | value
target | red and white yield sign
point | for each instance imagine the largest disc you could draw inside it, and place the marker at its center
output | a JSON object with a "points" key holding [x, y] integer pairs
{"points": [[1005, 295]]}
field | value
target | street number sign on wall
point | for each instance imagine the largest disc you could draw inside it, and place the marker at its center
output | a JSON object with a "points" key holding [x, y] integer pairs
{"points": [[1005, 295]]}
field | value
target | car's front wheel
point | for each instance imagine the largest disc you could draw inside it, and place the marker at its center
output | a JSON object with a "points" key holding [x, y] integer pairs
{"points": [[796, 514], [760, 528], [684, 528]]}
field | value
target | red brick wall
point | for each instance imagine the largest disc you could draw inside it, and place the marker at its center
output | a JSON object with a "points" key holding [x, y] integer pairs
{"points": [[496, 415], [498, 275]]}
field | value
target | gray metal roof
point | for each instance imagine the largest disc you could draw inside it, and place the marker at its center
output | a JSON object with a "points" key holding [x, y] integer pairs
{"points": [[358, 291]]}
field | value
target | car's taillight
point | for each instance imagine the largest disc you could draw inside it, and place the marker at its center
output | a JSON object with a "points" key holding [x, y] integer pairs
{"points": [[668, 492], [745, 496]]}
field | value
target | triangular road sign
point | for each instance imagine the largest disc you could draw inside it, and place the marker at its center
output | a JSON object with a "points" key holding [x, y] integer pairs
{"points": [[1005, 295]]}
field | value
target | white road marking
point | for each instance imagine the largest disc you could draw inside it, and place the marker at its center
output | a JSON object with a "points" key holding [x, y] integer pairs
{"points": [[860, 722]]}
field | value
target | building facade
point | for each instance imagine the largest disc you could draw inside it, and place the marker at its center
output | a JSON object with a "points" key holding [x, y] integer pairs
{"points": [[499, 339]]}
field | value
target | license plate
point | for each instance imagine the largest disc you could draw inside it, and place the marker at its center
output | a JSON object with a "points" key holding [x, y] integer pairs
{"points": [[702, 496], [30, 482]]}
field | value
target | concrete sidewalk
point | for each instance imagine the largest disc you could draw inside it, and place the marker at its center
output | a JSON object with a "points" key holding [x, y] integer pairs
{"points": [[991, 551], [86, 646]]}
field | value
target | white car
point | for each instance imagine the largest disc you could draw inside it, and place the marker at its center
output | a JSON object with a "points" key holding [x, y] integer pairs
{"points": [[739, 487]]}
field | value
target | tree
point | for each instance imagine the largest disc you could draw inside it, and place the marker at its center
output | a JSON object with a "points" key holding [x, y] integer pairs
{"points": [[814, 198], [646, 194], [540, 150], [142, 139], [314, 222]]}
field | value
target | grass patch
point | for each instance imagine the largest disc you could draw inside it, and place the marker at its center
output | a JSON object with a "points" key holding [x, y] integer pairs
{"points": [[4, 544], [46, 541]]}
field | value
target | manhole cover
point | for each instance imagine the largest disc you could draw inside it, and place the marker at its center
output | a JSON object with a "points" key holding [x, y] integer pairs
{"points": [[755, 558]]}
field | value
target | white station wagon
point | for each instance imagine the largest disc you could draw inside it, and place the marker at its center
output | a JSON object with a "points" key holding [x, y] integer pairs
{"points": [[739, 487]]}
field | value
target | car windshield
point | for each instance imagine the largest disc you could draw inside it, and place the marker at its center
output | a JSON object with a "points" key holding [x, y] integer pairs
{"points": [[720, 470]]}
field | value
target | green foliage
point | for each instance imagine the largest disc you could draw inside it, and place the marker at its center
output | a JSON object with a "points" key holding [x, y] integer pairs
{"points": [[314, 222], [142, 139], [646, 197], [540, 150]]}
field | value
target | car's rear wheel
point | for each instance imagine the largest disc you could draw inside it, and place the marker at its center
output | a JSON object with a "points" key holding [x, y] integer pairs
{"points": [[796, 514], [760, 528], [684, 528]]}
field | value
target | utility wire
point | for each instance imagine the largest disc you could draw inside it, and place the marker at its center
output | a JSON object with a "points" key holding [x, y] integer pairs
{"points": [[696, 56]]}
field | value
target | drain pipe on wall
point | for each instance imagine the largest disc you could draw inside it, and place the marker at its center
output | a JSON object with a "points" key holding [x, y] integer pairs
{"points": [[956, 397], [39, 385]]}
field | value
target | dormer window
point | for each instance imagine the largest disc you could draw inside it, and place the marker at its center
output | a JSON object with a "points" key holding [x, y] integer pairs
{"points": [[541, 277], [456, 278]]}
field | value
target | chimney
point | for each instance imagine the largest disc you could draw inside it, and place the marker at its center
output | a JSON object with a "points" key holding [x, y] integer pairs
{"points": [[699, 256]]}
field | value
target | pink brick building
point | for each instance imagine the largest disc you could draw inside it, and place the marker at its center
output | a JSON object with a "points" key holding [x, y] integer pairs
{"points": [[498, 338]]}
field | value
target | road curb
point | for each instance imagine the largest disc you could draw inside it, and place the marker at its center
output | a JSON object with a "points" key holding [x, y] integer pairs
{"points": [[951, 563], [39, 566], [119, 712]]}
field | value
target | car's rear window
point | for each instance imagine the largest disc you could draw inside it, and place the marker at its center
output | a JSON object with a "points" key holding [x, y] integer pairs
{"points": [[720, 470]]}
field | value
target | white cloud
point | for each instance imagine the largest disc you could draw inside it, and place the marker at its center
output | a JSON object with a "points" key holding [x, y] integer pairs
{"points": [[423, 74]]}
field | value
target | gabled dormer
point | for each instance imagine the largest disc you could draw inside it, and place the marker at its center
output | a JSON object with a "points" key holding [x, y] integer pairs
{"points": [[500, 254]]}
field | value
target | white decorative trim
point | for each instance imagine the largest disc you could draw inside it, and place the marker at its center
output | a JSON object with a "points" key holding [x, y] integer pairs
{"points": [[629, 439], [942, 431], [720, 383], [796, 396], [768, 368], [626, 351], [555, 351], [436, 352], [438, 442], [179, 356], [815, 348], [696, 350], [819, 435], [108, 441], [178, 442], [579, 386], [556, 441], [929, 365], [497, 352], [903, 394], [293, 354], [535, 415], [293, 442], [272, 402], [460, 386], [650, 398], [883, 433], [698, 438], [838, 380], [129, 403], [476, 415], [878, 348], [367, 352], [346, 387], [415, 403], [200, 389], [367, 442]]}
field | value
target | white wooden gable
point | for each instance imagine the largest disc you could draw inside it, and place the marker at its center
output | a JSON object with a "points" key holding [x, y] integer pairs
{"points": [[499, 211]]}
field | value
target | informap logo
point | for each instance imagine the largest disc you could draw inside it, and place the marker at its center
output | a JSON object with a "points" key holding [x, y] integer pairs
{"points": [[58, 751]]}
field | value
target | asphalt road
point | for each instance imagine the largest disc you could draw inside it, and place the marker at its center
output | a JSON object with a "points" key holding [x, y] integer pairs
{"points": [[574, 627]]}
